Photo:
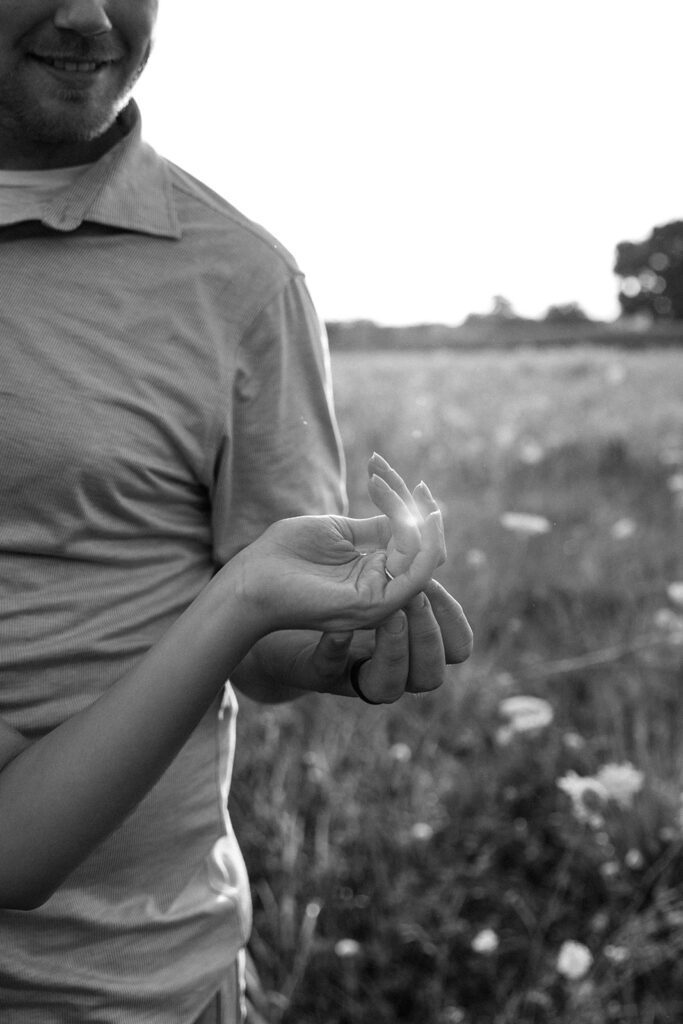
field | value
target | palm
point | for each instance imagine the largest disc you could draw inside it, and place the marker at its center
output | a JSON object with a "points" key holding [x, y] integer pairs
{"points": [[317, 572]]}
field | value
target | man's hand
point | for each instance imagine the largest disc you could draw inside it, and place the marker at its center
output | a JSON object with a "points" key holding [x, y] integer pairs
{"points": [[406, 652]]}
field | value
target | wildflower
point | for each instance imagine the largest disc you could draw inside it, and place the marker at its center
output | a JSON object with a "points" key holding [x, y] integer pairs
{"points": [[666, 619], [573, 741], [422, 832], [675, 592], [525, 523], [621, 782], [623, 529], [400, 752], [671, 623], [348, 949], [505, 680], [599, 921], [616, 954], [452, 1015], [574, 960], [526, 714], [531, 453], [504, 735], [485, 941], [610, 869], [634, 859], [476, 558], [577, 788]]}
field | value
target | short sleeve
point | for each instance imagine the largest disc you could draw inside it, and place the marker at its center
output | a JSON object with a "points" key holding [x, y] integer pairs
{"points": [[279, 453]]}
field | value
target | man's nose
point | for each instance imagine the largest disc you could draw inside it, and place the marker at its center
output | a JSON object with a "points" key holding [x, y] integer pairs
{"points": [[86, 17]]}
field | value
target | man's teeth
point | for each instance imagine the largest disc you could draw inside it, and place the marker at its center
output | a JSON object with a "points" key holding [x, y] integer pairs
{"points": [[72, 65]]}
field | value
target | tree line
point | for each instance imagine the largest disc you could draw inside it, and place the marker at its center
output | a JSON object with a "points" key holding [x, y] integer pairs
{"points": [[650, 294]]}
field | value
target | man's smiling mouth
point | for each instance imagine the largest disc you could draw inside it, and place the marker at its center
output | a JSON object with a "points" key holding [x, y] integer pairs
{"points": [[70, 64]]}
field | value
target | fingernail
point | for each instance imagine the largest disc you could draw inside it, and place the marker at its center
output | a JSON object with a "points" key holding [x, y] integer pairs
{"points": [[339, 639]]}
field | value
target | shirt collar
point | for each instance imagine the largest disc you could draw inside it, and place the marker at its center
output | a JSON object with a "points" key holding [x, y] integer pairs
{"points": [[129, 188]]}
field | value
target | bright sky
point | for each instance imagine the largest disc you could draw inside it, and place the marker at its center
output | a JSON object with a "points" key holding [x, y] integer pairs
{"points": [[420, 156]]}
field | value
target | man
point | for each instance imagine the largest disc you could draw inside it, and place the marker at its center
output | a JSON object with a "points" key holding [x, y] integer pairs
{"points": [[164, 399]]}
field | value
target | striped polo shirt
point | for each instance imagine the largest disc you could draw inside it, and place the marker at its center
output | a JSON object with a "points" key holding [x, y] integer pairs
{"points": [[164, 396]]}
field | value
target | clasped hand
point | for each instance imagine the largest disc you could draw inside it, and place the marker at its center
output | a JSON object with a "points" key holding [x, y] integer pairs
{"points": [[366, 585]]}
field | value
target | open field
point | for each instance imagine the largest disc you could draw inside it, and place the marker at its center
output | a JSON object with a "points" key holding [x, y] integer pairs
{"points": [[420, 863]]}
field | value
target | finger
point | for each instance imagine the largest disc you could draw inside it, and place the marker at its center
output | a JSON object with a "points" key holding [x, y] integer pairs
{"points": [[330, 660], [427, 656], [396, 592], [424, 499], [404, 526], [365, 534], [379, 466], [383, 678], [455, 630]]}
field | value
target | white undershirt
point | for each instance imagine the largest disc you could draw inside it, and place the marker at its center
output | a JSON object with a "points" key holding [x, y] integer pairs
{"points": [[23, 194]]}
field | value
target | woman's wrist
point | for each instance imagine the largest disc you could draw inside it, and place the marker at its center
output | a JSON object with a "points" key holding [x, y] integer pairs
{"points": [[236, 587]]}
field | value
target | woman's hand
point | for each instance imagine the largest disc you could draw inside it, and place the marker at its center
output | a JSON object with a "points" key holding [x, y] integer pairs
{"points": [[440, 612], [407, 652], [328, 572]]}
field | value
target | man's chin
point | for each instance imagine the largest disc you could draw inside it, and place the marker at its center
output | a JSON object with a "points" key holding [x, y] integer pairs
{"points": [[75, 127]]}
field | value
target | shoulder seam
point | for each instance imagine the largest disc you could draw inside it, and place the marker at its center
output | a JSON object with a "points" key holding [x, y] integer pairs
{"points": [[243, 222]]}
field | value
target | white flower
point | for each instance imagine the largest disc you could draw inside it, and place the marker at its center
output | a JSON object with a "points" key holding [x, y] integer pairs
{"points": [[531, 453], [623, 529], [675, 482], [621, 782], [505, 680], [347, 949], [526, 714], [452, 1015], [476, 558], [422, 832], [525, 523], [634, 859], [616, 954], [675, 592], [504, 735], [400, 752], [573, 741], [577, 788], [574, 960], [485, 941], [667, 619]]}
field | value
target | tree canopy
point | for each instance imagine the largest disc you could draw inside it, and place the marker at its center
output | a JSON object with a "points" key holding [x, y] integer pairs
{"points": [[651, 273]]}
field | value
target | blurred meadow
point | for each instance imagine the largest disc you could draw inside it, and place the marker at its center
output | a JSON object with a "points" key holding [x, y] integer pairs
{"points": [[469, 857]]}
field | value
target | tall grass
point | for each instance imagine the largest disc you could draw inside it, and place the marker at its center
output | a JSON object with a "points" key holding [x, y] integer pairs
{"points": [[420, 862]]}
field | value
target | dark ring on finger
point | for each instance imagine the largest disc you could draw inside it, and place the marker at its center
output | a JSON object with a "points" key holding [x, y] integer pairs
{"points": [[354, 673]]}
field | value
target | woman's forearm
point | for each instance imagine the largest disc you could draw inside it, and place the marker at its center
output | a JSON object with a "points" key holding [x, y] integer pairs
{"points": [[64, 793]]}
